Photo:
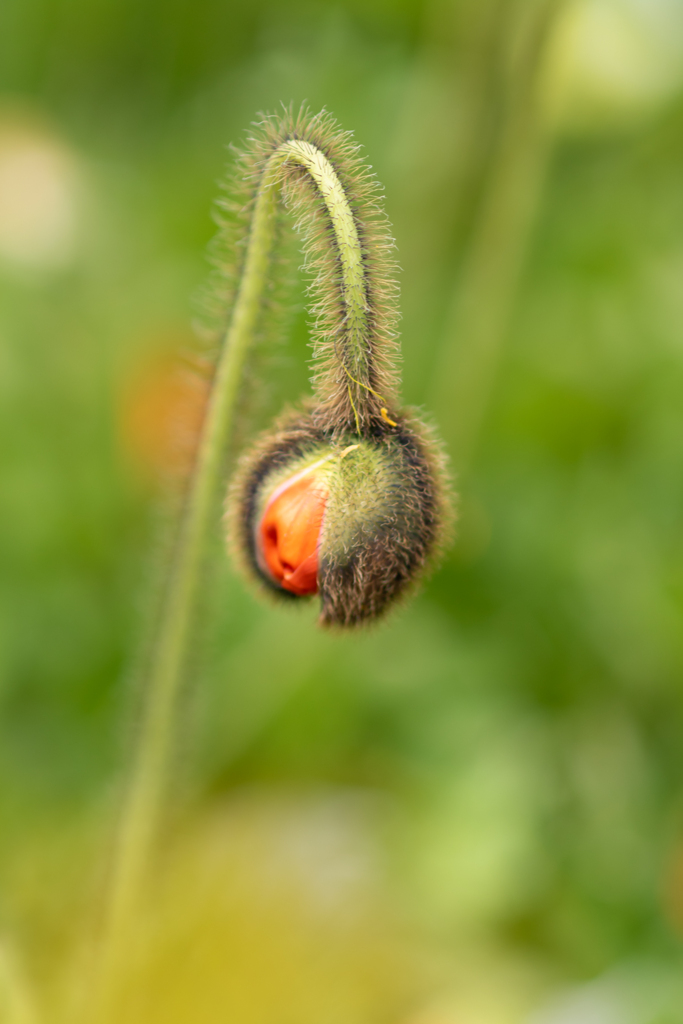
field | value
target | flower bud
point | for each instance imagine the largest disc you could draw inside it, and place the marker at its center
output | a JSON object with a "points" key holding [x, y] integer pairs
{"points": [[355, 519]]}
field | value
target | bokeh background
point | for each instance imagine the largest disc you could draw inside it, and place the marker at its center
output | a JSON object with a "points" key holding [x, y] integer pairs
{"points": [[473, 814]]}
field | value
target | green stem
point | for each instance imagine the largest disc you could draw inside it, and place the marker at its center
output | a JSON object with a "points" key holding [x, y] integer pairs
{"points": [[355, 353], [145, 792], [478, 319]]}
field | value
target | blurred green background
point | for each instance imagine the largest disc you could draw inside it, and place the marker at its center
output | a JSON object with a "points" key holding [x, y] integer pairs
{"points": [[474, 814]]}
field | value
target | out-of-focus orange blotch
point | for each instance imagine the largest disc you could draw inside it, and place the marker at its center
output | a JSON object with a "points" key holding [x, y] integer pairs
{"points": [[161, 408]]}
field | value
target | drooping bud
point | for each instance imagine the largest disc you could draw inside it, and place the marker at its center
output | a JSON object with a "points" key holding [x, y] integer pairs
{"points": [[355, 519], [349, 499]]}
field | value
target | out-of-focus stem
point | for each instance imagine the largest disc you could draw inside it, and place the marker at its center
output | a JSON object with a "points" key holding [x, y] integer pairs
{"points": [[480, 311], [445, 130]]}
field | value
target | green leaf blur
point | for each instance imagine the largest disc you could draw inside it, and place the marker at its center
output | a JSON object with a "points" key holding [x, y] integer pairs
{"points": [[489, 786]]}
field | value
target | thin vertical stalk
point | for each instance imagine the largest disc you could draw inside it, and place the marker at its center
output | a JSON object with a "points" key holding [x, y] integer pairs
{"points": [[145, 791], [479, 314]]}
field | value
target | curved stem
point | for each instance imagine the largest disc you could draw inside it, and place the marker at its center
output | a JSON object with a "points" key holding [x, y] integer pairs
{"points": [[142, 803], [348, 245]]}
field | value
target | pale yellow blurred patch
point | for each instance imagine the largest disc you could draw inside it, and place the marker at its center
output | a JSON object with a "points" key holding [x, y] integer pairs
{"points": [[611, 62], [266, 913], [40, 196], [16, 1002], [489, 986], [269, 908], [274, 907]]}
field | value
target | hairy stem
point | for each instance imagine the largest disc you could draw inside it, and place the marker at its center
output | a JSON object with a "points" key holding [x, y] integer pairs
{"points": [[145, 792], [354, 356]]}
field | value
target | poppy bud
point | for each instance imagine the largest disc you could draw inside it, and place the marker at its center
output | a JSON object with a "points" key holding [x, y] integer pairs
{"points": [[354, 519]]}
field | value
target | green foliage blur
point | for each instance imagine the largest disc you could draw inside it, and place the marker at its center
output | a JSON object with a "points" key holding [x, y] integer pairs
{"points": [[474, 813]]}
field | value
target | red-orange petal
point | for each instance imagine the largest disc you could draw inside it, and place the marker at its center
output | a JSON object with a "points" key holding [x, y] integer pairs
{"points": [[289, 532]]}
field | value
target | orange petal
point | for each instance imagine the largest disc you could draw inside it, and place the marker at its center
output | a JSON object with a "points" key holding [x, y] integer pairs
{"points": [[289, 532]]}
